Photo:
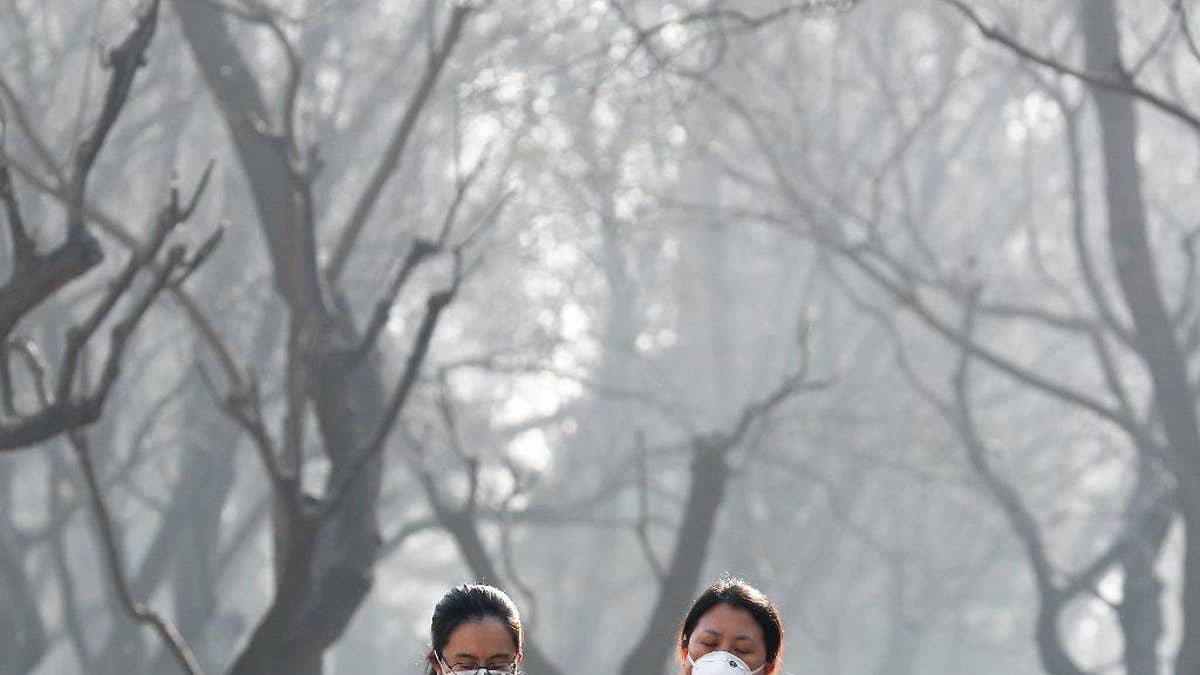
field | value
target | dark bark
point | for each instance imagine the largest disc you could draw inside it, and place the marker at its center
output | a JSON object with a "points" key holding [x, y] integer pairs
{"points": [[1135, 264], [43, 276], [1140, 611], [709, 478], [325, 562], [326, 548], [263, 156], [48, 422], [1051, 650], [38, 276]]}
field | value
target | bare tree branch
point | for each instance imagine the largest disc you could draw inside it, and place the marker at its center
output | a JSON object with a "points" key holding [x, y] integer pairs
{"points": [[1185, 25], [41, 275], [642, 526], [434, 306], [1124, 86], [419, 251], [68, 412], [258, 13], [23, 245], [112, 552], [738, 17], [1079, 218], [105, 223], [124, 60], [363, 207], [168, 219], [27, 128]]}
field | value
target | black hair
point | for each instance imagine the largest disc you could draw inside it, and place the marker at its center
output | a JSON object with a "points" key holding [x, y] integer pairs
{"points": [[737, 593], [470, 602]]}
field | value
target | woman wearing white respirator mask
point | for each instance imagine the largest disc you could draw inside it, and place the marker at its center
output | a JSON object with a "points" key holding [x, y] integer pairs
{"points": [[475, 629], [731, 629]]}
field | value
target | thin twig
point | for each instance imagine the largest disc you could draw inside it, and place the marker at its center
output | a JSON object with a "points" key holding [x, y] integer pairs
{"points": [[22, 243], [170, 217], [244, 405], [395, 150], [235, 371], [1125, 86], [30, 132], [124, 60], [139, 612], [434, 306], [1188, 34], [419, 251], [642, 525]]}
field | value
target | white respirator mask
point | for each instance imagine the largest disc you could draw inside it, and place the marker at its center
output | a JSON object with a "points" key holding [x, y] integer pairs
{"points": [[722, 663]]}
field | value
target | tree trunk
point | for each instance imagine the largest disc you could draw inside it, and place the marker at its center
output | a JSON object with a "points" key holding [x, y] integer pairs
{"points": [[325, 559], [1148, 521], [1135, 266], [1051, 651], [706, 492]]}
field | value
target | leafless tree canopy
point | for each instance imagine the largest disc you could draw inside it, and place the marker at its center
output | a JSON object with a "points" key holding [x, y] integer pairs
{"points": [[312, 309]]}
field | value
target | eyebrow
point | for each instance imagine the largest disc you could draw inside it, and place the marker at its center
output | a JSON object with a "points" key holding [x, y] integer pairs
{"points": [[497, 655], [709, 631]]}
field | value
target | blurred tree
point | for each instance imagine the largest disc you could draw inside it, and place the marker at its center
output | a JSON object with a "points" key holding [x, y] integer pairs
{"points": [[995, 278], [53, 403], [326, 545]]}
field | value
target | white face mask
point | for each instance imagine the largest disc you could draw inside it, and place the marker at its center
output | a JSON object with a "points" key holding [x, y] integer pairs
{"points": [[722, 663]]}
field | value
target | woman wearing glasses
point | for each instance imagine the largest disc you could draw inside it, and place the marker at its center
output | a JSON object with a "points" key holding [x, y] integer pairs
{"points": [[475, 629], [731, 629]]}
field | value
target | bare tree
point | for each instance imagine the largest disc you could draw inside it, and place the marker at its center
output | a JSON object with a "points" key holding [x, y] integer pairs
{"points": [[326, 545], [37, 273], [65, 402], [894, 249]]}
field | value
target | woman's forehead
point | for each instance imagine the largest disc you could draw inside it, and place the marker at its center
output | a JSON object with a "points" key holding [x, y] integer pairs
{"points": [[723, 619], [482, 638]]}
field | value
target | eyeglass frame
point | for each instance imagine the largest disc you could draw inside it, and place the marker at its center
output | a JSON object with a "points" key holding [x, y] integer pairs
{"points": [[512, 668]]}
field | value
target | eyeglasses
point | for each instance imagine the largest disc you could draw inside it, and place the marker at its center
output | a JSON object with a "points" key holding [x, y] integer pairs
{"points": [[473, 669]]}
